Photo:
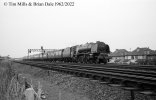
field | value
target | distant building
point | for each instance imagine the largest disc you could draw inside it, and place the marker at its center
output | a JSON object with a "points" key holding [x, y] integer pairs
{"points": [[4, 57], [119, 54], [142, 54]]}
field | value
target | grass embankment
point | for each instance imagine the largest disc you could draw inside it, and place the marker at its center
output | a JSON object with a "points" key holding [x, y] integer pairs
{"points": [[6, 74]]}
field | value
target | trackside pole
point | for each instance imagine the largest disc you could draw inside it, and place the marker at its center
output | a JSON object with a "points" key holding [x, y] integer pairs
{"points": [[60, 95], [48, 72], [132, 94], [39, 92]]}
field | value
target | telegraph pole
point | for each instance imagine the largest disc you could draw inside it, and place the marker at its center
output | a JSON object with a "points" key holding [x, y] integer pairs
{"points": [[42, 51]]}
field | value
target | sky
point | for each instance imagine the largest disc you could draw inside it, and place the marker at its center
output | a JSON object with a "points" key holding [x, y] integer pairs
{"points": [[122, 24]]}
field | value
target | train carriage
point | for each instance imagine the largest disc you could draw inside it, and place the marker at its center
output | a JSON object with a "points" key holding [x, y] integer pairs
{"points": [[66, 54], [54, 55]]}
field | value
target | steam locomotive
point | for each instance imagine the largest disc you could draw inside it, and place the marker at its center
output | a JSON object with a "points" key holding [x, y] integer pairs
{"points": [[86, 53]]}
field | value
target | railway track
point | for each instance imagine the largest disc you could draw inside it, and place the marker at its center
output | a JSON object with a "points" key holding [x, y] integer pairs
{"points": [[134, 77]]}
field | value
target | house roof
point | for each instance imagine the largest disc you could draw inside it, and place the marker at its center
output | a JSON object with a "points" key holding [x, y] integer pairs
{"points": [[119, 52], [141, 51]]}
